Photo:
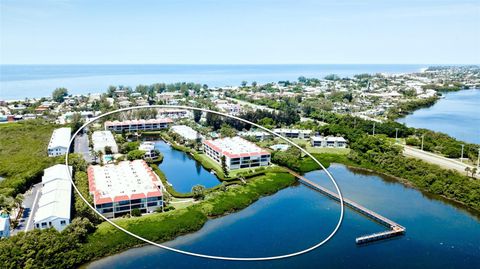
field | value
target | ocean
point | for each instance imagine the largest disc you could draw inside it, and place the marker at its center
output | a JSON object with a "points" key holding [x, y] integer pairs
{"points": [[22, 81]]}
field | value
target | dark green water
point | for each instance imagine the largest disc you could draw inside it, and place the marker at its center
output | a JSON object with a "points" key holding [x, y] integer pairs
{"points": [[439, 235]]}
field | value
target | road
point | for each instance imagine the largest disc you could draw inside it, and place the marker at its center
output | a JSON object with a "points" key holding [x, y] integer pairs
{"points": [[30, 205], [260, 107], [81, 146], [435, 159]]}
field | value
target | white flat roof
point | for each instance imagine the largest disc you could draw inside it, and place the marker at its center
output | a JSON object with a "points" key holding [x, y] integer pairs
{"points": [[102, 139], [284, 130], [56, 194], [60, 138], [185, 131], [147, 146], [125, 181], [235, 147], [55, 172], [329, 138]]}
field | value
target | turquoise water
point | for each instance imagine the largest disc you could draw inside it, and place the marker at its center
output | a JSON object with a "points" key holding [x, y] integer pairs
{"points": [[20, 81], [182, 171], [456, 115], [439, 235]]}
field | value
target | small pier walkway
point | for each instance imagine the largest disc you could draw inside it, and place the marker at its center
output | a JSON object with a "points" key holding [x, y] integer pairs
{"points": [[394, 229]]}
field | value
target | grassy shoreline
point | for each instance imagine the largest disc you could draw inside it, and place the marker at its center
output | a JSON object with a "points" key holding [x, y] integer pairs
{"points": [[107, 240]]}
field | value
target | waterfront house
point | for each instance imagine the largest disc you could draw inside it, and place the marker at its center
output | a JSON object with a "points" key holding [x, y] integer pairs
{"points": [[138, 125], [238, 152], [118, 189]]}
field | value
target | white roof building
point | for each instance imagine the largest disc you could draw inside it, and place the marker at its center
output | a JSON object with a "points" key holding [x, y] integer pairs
{"points": [[59, 142], [260, 135], [329, 141], [185, 132], [293, 133], [117, 189], [4, 225], [102, 139], [55, 199], [238, 152]]}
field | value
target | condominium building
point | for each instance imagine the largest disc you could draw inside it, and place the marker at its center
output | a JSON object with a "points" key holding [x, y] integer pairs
{"points": [[55, 199], [294, 133], [238, 152], [259, 135], [328, 142], [59, 142], [149, 148], [137, 125], [102, 139], [174, 113], [117, 189], [186, 132]]}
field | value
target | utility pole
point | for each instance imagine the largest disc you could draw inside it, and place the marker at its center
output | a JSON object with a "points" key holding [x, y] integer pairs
{"points": [[396, 135], [478, 160], [422, 141], [461, 156], [373, 128]]}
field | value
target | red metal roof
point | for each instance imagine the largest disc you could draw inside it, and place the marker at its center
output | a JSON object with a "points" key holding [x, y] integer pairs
{"points": [[121, 198], [138, 196], [154, 193], [103, 200]]}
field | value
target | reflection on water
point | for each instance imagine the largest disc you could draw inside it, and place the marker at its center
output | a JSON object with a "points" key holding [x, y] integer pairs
{"points": [[182, 171], [438, 234], [456, 115]]}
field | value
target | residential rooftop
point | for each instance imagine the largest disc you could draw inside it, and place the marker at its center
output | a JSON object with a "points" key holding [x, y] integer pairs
{"points": [[235, 147], [138, 122], [55, 198], [126, 181], [60, 138]]}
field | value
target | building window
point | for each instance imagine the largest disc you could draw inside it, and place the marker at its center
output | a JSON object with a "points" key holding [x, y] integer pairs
{"points": [[62, 222]]}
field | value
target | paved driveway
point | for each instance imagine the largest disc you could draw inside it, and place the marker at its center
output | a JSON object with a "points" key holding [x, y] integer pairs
{"points": [[81, 146], [30, 205]]}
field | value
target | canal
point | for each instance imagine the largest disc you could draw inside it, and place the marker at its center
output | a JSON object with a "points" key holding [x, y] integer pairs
{"points": [[182, 171], [439, 235]]}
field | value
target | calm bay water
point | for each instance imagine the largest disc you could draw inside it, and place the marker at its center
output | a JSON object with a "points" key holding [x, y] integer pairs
{"points": [[439, 235], [182, 171], [20, 81], [456, 115]]}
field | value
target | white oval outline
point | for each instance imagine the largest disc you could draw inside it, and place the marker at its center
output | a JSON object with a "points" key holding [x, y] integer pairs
{"points": [[198, 254]]}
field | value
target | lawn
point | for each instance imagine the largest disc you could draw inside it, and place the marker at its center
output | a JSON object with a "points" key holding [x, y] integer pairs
{"points": [[23, 154]]}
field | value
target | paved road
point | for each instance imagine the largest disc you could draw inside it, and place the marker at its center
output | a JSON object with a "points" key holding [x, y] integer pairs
{"points": [[435, 159], [81, 146], [30, 205], [245, 103]]}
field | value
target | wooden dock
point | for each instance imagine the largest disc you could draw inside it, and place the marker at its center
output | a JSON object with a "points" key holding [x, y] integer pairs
{"points": [[394, 229]]}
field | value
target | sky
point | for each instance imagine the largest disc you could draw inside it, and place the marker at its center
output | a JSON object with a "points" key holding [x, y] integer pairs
{"points": [[239, 32]]}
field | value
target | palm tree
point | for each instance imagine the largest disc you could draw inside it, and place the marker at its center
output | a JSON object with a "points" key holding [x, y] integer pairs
{"points": [[474, 171], [467, 170], [18, 200]]}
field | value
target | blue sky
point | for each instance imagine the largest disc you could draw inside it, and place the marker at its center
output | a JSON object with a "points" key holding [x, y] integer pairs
{"points": [[239, 32]]}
